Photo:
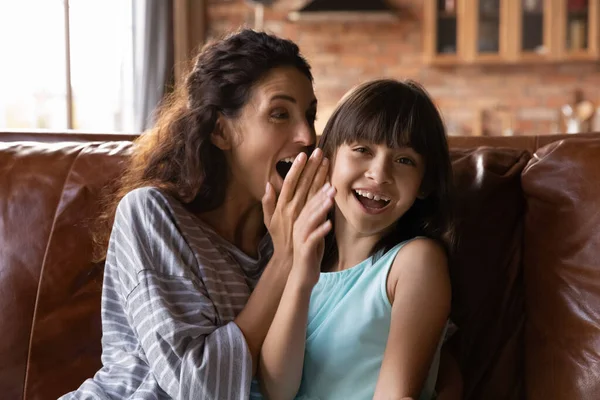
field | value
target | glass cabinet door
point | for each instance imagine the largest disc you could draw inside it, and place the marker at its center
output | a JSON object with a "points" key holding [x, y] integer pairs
{"points": [[577, 19], [578, 26], [446, 27], [533, 37], [488, 27], [443, 30]]}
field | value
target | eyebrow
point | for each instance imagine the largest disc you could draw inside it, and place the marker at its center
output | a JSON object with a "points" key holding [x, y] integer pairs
{"points": [[291, 99], [284, 97]]}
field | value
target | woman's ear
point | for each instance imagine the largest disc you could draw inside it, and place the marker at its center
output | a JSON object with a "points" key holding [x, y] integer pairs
{"points": [[222, 134]]}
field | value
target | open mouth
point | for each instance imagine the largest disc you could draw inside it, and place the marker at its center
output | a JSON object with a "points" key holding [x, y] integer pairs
{"points": [[370, 200], [284, 166]]}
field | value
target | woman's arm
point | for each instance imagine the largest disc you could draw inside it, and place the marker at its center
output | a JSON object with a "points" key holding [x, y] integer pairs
{"points": [[282, 355], [304, 179], [420, 308], [154, 300], [168, 307]]}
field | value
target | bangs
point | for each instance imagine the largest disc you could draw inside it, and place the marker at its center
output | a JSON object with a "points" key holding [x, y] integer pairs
{"points": [[376, 109]]}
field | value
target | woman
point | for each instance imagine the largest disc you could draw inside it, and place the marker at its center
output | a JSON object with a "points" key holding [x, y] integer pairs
{"points": [[191, 280]]}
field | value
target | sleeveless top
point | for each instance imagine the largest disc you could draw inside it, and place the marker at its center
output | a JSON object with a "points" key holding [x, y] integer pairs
{"points": [[349, 321]]}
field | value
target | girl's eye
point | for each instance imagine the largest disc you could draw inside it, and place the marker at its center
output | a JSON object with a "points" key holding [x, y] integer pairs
{"points": [[406, 160], [361, 149]]}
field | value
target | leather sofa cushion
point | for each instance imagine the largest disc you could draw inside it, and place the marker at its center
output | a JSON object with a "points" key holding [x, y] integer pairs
{"points": [[487, 283], [562, 270]]}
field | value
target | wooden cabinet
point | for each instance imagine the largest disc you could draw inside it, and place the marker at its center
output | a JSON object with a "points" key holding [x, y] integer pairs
{"points": [[511, 31], [577, 29]]}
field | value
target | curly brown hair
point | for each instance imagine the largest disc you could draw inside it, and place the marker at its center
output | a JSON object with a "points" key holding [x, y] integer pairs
{"points": [[177, 155]]}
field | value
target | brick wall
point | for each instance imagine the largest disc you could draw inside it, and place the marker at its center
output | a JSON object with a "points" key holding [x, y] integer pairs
{"points": [[344, 54]]}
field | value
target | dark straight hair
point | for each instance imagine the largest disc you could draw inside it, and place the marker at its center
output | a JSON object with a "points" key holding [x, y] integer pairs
{"points": [[399, 114]]}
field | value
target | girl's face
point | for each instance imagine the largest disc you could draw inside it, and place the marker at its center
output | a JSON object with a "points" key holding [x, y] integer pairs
{"points": [[375, 185], [275, 125]]}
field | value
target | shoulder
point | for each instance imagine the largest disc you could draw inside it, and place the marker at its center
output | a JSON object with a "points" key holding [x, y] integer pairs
{"points": [[147, 236], [420, 263], [140, 198], [144, 205], [420, 253]]}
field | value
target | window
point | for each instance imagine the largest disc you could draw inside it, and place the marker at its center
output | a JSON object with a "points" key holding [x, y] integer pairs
{"points": [[66, 64]]}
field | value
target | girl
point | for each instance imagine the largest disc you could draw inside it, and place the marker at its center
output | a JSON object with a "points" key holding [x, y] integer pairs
{"points": [[369, 322], [191, 280]]}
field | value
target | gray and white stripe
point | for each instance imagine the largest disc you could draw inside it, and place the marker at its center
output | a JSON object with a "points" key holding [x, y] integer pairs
{"points": [[172, 288]]}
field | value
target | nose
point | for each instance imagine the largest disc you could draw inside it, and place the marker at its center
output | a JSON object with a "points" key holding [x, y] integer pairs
{"points": [[305, 135], [378, 171]]}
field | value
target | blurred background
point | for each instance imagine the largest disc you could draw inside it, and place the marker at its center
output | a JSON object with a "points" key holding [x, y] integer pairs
{"points": [[494, 67]]}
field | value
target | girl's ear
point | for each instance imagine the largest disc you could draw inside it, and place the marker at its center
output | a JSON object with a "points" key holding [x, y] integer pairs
{"points": [[222, 134]]}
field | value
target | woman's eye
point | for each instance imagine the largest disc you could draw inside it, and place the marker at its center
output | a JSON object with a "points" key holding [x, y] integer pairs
{"points": [[361, 149], [281, 114], [406, 160]]}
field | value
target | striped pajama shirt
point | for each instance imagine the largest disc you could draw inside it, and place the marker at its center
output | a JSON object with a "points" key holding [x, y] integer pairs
{"points": [[172, 288]]}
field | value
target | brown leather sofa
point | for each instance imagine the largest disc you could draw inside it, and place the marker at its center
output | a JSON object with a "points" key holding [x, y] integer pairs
{"points": [[526, 276]]}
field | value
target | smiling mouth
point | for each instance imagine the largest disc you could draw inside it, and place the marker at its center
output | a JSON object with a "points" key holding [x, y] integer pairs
{"points": [[370, 201]]}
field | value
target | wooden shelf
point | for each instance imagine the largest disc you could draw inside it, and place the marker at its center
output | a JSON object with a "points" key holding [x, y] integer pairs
{"points": [[578, 14], [446, 14], [536, 14], [578, 55]]}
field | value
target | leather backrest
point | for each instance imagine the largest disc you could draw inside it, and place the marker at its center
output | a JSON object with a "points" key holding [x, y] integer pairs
{"points": [[49, 289], [562, 270], [487, 285]]}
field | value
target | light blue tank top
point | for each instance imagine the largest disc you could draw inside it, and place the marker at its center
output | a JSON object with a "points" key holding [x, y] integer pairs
{"points": [[349, 320]]}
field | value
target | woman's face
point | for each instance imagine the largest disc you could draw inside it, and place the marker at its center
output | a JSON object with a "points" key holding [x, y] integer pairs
{"points": [[275, 125]]}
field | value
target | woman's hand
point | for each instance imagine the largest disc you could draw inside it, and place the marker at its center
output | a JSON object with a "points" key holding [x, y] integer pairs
{"points": [[310, 230], [302, 182]]}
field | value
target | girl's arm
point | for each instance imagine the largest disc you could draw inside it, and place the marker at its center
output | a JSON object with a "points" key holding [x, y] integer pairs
{"points": [[282, 354], [449, 385], [419, 286]]}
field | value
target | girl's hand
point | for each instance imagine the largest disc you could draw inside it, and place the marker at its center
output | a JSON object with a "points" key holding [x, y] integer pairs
{"points": [[310, 230], [303, 180]]}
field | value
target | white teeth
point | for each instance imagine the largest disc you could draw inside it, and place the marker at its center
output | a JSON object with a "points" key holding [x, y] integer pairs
{"points": [[371, 196], [288, 159]]}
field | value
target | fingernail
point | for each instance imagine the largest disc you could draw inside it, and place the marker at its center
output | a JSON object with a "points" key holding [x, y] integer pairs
{"points": [[325, 161], [299, 157], [326, 187], [316, 152], [267, 187]]}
